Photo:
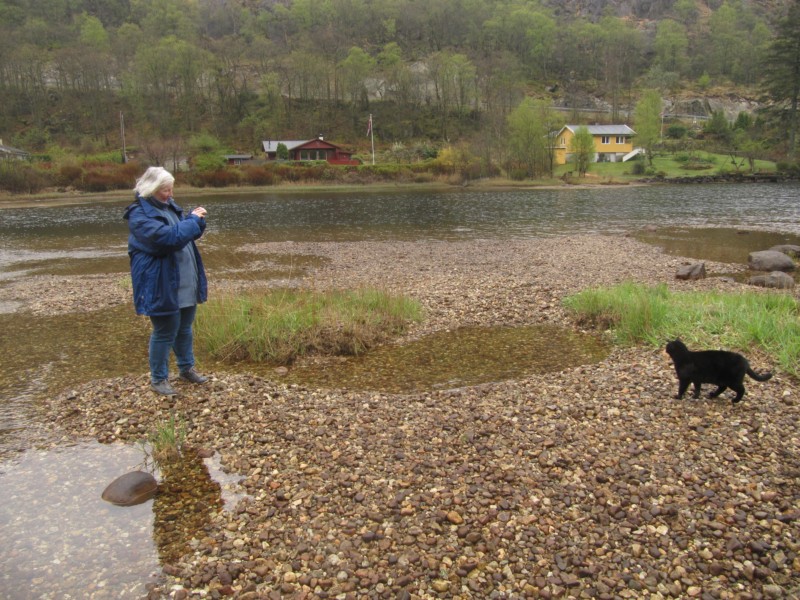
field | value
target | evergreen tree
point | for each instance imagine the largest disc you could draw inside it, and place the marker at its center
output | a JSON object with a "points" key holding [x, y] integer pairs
{"points": [[783, 73]]}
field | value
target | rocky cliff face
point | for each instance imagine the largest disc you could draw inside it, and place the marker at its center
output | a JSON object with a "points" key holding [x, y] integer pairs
{"points": [[645, 10], [687, 105], [594, 9]]}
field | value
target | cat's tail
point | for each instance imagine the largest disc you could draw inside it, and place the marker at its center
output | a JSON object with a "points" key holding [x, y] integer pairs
{"points": [[758, 377]]}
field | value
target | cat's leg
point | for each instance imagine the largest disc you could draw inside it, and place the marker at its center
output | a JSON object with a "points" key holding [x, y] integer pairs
{"points": [[683, 384], [718, 391], [739, 389], [697, 386]]}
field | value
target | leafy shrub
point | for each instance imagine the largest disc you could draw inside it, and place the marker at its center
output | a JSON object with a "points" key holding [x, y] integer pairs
{"points": [[208, 162], [69, 175], [256, 175], [97, 181], [638, 167], [22, 178], [107, 177], [789, 169], [676, 132], [695, 162], [217, 178]]}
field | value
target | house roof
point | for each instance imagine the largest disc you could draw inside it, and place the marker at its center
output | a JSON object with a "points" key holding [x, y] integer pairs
{"points": [[602, 129], [272, 145], [12, 151]]}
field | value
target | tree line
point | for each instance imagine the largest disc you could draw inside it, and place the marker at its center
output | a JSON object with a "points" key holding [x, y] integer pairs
{"points": [[247, 70]]}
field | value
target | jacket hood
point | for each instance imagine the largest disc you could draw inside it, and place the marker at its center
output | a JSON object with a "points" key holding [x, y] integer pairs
{"points": [[148, 208]]}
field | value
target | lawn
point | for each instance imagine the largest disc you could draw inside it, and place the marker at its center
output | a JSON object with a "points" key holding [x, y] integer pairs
{"points": [[681, 164]]}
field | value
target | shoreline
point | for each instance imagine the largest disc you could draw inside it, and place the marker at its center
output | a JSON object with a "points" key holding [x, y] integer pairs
{"points": [[587, 482], [69, 198]]}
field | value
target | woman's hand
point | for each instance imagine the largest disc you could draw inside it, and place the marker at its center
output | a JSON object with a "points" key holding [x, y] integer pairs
{"points": [[200, 212]]}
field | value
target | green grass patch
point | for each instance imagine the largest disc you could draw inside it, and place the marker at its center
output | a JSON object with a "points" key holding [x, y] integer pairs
{"points": [[279, 326], [166, 440], [681, 164], [635, 313]]}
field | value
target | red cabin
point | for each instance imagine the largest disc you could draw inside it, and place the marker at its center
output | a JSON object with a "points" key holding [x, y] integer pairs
{"points": [[316, 149]]}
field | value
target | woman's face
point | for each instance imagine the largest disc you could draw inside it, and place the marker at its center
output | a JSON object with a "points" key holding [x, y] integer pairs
{"points": [[164, 194]]}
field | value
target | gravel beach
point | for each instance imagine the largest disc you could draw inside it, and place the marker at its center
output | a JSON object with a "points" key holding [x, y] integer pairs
{"points": [[592, 482]]}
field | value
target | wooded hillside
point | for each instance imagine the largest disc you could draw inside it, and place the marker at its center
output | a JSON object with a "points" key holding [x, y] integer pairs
{"points": [[248, 70]]}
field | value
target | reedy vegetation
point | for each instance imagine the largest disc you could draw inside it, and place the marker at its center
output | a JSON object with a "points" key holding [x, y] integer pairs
{"points": [[165, 441], [634, 313], [280, 326]]}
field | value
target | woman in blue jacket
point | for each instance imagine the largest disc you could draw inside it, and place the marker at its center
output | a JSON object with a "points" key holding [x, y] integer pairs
{"points": [[167, 274]]}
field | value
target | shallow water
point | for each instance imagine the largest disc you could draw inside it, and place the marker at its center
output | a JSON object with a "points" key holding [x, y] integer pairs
{"points": [[61, 540], [715, 244], [85, 547], [451, 359]]}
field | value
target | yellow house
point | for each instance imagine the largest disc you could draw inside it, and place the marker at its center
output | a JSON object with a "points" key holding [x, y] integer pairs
{"points": [[612, 143]]}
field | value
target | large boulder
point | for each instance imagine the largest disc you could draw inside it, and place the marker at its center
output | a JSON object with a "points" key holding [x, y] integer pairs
{"points": [[130, 489], [788, 249], [770, 260], [776, 279], [692, 271]]}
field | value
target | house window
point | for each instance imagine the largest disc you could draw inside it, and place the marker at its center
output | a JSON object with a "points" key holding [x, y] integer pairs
{"points": [[606, 139], [563, 141], [313, 154], [620, 139]]}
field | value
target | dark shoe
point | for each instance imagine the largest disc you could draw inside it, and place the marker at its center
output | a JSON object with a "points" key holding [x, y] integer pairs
{"points": [[164, 388], [193, 376]]}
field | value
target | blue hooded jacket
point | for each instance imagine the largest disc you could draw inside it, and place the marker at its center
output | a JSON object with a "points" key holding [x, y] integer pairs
{"points": [[152, 244]]}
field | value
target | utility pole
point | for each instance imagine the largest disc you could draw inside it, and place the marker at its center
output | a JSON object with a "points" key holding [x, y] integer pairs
{"points": [[372, 138], [122, 132]]}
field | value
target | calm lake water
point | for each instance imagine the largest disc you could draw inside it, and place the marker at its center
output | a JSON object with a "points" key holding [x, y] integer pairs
{"points": [[46, 520], [86, 230]]}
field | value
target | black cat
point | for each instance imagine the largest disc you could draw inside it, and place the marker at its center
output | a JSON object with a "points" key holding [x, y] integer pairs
{"points": [[722, 368]]}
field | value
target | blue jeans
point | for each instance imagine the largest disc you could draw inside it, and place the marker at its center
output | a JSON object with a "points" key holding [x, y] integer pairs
{"points": [[171, 332]]}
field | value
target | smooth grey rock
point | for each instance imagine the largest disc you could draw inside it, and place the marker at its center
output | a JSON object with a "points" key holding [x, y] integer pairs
{"points": [[776, 279], [693, 271], [788, 249], [130, 489], [770, 260]]}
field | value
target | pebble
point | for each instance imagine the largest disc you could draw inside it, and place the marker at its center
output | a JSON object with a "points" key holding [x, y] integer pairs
{"points": [[588, 482]]}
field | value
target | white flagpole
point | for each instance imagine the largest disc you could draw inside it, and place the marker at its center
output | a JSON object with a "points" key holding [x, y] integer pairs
{"points": [[372, 139], [122, 132]]}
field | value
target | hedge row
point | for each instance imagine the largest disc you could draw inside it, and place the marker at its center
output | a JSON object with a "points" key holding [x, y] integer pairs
{"points": [[23, 177]]}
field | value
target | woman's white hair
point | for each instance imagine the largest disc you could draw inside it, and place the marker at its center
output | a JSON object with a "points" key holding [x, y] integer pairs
{"points": [[154, 179]]}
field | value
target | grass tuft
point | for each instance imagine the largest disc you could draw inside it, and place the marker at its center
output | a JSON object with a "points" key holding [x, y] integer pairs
{"points": [[636, 313], [281, 325], [166, 440]]}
